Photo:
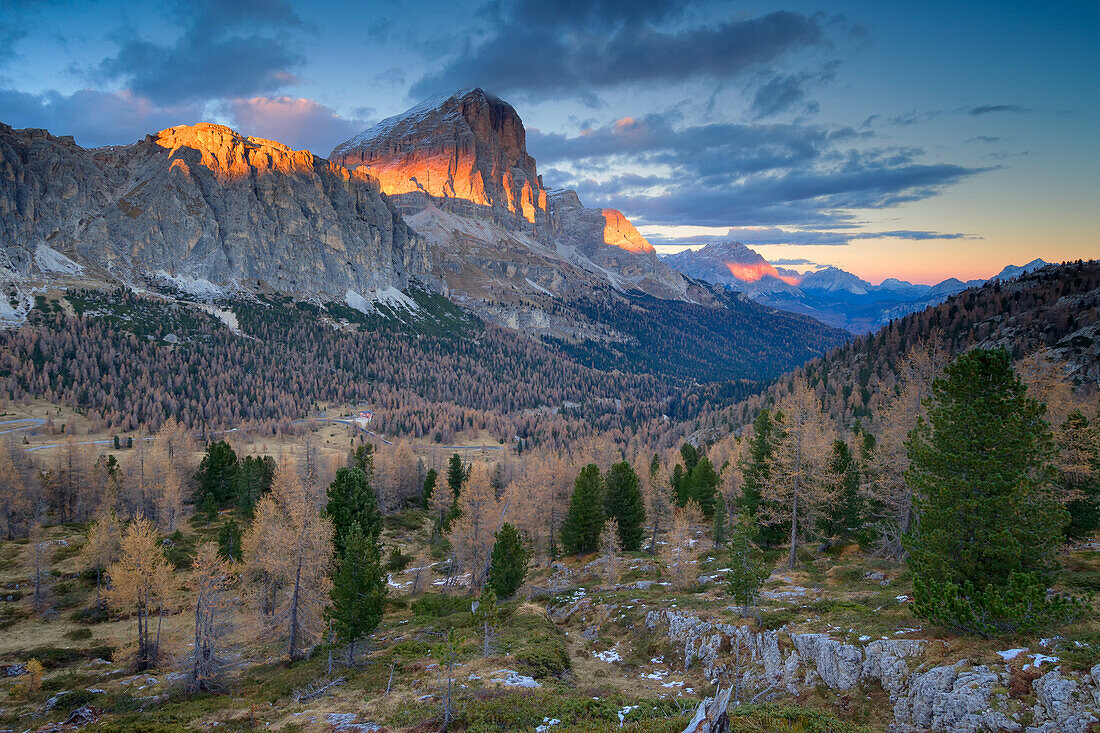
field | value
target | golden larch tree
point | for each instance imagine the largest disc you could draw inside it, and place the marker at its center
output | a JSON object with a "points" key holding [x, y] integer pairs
{"points": [[140, 581], [472, 534]]}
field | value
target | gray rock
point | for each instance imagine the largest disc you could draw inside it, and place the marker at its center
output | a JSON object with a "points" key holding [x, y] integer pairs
{"points": [[838, 664]]}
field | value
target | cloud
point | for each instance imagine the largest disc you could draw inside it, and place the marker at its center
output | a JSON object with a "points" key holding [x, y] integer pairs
{"points": [[577, 56], [984, 139], [751, 174], [299, 123], [227, 49], [804, 236], [784, 92], [986, 109], [10, 35], [93, 117]]}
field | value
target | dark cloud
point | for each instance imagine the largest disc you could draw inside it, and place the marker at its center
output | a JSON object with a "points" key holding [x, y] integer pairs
{"points": [[227, 49], [789, 92], [912, 117], [92, 117], [574, 13], [984, 139], [577, 56], [299, 123], [10, 35], [986, 109], [751, 174]]}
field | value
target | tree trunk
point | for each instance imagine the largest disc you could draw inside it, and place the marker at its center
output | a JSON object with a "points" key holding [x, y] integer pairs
{"points": [[294, 610]]}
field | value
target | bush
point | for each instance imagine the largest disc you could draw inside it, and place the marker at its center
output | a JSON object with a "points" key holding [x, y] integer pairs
{"points": [[78, 634], [543, 654], [94, 614], [437, 605], [1021, 607]]}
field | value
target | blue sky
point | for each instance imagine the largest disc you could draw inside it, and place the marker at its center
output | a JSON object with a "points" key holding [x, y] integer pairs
{"points": [[919, 140]]}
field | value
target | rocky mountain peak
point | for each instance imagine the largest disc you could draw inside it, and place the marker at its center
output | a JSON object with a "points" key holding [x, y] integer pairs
{"points": [[466, 152], [229, 154]]}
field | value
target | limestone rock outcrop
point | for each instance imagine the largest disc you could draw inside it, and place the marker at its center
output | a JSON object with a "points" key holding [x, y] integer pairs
{"points": [[202, 204]]}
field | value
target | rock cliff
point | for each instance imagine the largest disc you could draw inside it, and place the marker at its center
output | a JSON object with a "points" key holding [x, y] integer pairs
{"points": [[198, 204]]}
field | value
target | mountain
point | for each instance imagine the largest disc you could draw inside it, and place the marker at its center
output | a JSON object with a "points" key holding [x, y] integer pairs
{"points": [[831, 295], [835, 280], [203, 207], [457, 167], [436, 208], [1014, 271], [734, 265]]}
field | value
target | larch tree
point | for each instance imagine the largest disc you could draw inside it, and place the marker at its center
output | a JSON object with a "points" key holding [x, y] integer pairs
{"points": [[301, 536], [678, 551], [889, 495], [611, 551], [472, 533], [659, 498], [140, 581], [17, 504], [211, 577], [798, 486], [103, 545], [1077, 463], [264, 563]]}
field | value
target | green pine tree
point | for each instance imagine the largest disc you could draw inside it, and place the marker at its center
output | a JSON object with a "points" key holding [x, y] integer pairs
{"points": [[253, 481], [988, 524], [363, 458], [844, 515], [623, 502], [702, 486], [747, 568], [456, 474], [755, 468], [508, 562], [351, 501], [487, 615], [580, 532], [217, 475], [358, 589], [679, 481], [720, 528], [430, 481], [229, 541]]}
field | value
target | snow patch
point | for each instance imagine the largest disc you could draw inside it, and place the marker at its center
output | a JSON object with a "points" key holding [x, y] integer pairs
{"points": [[49, 259], [609, 656], [196, 287], [1009, 654]]}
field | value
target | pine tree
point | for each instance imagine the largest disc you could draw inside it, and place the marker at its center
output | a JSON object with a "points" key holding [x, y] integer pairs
{"points": [[351, 501], [487, 615], [358, 589], [217, 476], [720, 528], [623, 502], [229, 541], [508, 563], [844, 516], [253, 481], [747, 569], [580, 533], [756, 473], [988, 523], [430, 480], [456, 474], [701, 486]]}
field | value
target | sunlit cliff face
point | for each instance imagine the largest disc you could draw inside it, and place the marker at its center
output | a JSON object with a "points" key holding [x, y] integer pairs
{"points": [[471, 148], [231, 156], [619, 232], [750, 273]]}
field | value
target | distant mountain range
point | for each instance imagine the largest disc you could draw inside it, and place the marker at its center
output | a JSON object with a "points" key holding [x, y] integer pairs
{"points": [[831, 295]]}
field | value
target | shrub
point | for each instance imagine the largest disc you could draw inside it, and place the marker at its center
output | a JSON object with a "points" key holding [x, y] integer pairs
{"points": [[79, 634], [1021, 606], [543, 655], [437, 605]]}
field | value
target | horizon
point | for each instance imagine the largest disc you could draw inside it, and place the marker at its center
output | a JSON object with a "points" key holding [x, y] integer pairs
{"points": [[853, 138]]}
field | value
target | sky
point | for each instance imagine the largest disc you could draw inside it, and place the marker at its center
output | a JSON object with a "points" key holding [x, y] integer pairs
{"points": [[893, 139]]}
